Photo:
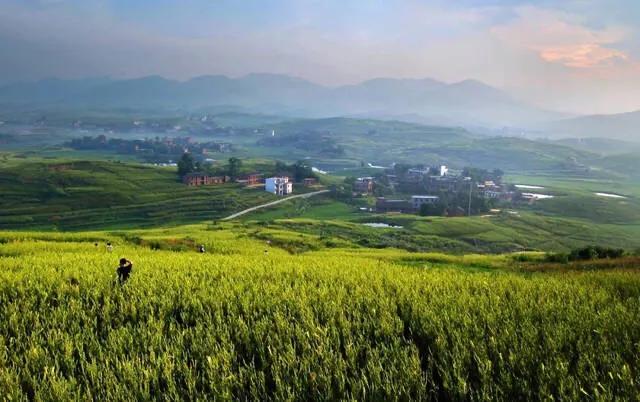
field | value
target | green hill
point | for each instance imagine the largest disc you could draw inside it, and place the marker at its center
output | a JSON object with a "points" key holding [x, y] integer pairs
{"points": [[73, 194], [385, 142]]}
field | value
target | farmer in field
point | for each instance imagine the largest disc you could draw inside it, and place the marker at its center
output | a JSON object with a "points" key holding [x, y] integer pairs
{"points": [[201, 248], [109, 247], [124, 270]]}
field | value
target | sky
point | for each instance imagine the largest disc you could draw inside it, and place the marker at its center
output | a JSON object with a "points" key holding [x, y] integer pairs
{"points": [[577, 56]]}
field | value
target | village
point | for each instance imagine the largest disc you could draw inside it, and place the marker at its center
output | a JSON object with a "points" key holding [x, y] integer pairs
{"points": [[428, 191], [436, 190]]}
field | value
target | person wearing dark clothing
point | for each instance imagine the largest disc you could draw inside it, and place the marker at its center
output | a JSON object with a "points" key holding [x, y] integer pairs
{"points": [[201, 248], [124, 270]]}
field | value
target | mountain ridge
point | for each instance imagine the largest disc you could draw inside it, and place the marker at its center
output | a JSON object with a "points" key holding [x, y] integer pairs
{"points": [[466, 103]]}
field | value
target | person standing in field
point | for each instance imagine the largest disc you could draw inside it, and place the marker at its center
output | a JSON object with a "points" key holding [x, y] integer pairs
{"points": [[109, 247], [201, 248], [124, 270]]}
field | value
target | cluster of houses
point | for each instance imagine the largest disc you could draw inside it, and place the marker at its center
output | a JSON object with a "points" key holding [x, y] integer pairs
{"points": [[278, 185], [427, 184]]}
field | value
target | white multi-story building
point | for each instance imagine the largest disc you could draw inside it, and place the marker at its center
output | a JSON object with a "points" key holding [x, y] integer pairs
{"points": [[278, 185]]}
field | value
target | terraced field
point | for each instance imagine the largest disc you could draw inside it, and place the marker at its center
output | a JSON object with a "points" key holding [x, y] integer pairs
{"points": [[72, 195]]}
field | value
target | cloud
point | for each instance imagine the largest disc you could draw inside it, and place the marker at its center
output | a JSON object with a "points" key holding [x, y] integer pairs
{"points": [[557, 57], [559, 38], [583, 55]]}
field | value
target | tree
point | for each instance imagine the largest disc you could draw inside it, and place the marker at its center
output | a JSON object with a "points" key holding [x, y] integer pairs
{"points": [[187, 164], [437, 209], [234, 167], [302, 170]]}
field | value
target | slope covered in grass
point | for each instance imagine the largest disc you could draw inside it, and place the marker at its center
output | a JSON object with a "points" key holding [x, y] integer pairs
{"points": [[74, 194]]}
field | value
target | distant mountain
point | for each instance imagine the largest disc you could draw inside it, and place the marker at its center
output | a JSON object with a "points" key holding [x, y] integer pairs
{"points": [[622, 126], [48, 91], [599, 145], [466, 103]]}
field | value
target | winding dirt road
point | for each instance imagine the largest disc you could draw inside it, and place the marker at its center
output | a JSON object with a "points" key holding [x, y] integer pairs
{"points": [[276, 202]]}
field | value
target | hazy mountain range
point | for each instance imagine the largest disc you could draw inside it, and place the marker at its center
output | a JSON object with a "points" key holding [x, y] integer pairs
{"points": [[621, 126], [468, 103], [425, 100]]}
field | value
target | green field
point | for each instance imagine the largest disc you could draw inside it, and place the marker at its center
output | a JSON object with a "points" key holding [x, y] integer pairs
{"points": [[71, 194], [364, 324], [303, 301]]}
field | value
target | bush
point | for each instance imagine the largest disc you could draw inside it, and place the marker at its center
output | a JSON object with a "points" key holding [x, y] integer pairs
{"points": [[595, 252], [561, 258]]}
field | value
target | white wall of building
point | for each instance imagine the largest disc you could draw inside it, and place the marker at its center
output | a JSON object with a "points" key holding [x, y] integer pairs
{"points": [[278, 185]]}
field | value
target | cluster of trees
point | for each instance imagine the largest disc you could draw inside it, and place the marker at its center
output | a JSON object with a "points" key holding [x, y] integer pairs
{"points": [[313, 142], [188, 164], [299, 171], [481, 175], [151, 148], [457, 203], [585, 254]]}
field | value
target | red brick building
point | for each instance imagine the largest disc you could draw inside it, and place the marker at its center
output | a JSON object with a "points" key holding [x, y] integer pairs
{"points": [[310, 181], [251, 179], [203, 179]]}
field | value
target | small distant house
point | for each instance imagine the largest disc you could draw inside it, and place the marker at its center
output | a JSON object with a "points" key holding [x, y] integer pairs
{"points": [[363, 185], [387, 205], [203, 179], [416, 175], [490, 190], [251, 179], [278, 185], [418, 200], [310, 181], [443, 184], [443, 170], [491, 194]]}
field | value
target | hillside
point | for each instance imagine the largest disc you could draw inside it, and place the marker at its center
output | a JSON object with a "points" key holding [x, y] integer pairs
{"points": [[622, 126], [386, 142], [75, 194], [600, 145], [240, 324], [467, 102]]}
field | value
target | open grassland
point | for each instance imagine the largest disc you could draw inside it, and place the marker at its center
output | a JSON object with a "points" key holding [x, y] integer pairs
{"points": [[236, 323]]}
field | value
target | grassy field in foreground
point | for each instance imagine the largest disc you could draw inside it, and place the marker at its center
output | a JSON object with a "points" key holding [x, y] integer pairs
{"points": [[239, 323]]}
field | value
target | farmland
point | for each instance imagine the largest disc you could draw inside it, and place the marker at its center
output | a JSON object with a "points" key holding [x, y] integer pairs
{"points": [[236, 323], [303, 301]]}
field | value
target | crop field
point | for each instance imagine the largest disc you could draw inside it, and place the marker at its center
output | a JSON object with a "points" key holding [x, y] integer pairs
{"points": [[248, 320]]}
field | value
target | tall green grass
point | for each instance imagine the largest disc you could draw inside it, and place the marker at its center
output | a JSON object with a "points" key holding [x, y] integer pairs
{"points": [[237, 323]]}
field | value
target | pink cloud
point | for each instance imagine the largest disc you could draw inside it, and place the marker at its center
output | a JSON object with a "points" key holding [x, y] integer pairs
{"points": [[583, 55], [558, 38]]}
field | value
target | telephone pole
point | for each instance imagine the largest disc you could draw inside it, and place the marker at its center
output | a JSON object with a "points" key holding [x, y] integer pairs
{"points": [[469, 208]]}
